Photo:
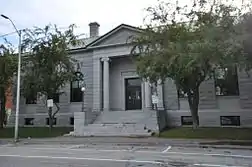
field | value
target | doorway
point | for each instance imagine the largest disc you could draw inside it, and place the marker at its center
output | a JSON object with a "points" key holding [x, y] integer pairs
{"points": [[133, 94]]}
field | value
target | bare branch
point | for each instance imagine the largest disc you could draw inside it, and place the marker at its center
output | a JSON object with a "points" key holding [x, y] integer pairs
{"points": [[57, 110]]}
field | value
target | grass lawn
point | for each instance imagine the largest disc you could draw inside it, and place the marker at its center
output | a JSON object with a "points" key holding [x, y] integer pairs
{"points": [[209, 133], [35, 132]]}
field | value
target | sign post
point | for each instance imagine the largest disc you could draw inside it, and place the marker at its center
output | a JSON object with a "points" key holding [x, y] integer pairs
{"points": [[50, 106], [154, 99]]}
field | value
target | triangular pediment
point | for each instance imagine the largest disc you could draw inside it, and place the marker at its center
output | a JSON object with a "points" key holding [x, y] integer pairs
{"points": [[119, 35]]}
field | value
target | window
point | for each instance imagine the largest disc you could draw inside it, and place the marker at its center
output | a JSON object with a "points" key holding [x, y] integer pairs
{"points": [[186, 120], [76, 84], [29, 121], [181, 93], [71, 120], [32, 99], [226, 82], [230, 120], [56, 98], [54, 121]]}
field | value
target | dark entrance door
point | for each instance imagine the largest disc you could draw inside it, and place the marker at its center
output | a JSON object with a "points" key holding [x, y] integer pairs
{"points": [[133, 94]]}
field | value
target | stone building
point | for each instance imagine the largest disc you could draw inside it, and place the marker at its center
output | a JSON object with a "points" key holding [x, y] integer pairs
{"points": [[117, 101]]}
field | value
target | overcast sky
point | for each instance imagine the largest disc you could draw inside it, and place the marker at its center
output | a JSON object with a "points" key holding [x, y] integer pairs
{"points": [[108, 13]]}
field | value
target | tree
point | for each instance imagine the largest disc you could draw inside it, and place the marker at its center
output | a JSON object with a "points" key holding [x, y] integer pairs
{"points": [[246, 23], [48, 66], [188, 44], [8, 67]]}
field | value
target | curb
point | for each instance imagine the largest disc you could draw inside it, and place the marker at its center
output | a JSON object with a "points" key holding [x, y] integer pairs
{"points": [[233, 147], [205, 146], [195, 145]]}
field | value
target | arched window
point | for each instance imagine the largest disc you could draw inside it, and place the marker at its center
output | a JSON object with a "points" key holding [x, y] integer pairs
{"points": [[76, 85]]}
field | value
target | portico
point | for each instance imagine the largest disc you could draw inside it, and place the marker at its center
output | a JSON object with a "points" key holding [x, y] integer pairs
{"points": [[120, 100], [121, 88]]}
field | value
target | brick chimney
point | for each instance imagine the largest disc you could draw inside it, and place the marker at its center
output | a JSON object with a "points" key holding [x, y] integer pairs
{"points": [[94, 29]]}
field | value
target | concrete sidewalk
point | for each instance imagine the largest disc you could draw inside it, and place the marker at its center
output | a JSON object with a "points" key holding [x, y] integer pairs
{"points": [[126, 141]]}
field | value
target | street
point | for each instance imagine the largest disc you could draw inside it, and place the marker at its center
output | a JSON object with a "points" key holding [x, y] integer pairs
{"points": [[68, 155]]}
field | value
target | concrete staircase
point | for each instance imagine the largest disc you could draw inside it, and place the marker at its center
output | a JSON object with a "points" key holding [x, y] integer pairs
{"points": [[122, 123]]}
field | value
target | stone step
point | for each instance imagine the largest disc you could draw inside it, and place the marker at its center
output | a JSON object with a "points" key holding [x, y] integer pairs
{"points": [[114, 130], [125, 117], [120, 123], [97, 134], [135, 126], [116, 134]]}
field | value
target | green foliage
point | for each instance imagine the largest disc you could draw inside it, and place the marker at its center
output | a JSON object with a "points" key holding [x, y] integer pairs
{"points": [[8, 67], [187, 44], [47, 66], [241, 134], [246, 25], [8, 64], [35, 132]]}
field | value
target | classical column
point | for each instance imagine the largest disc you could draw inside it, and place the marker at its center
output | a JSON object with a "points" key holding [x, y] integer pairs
{"points": [[160, 104], [97, 76], [143, 96], [147, 93], [105, 83]]}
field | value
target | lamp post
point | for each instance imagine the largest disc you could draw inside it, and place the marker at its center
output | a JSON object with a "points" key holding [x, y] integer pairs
{"points": [[83, 89], [18, 77]]}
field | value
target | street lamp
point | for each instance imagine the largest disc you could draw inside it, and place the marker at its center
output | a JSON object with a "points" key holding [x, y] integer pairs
{"points": [[83, 89], [18, 77]]}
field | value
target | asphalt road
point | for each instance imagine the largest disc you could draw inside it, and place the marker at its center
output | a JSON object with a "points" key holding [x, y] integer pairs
{"points": [[120, 156]]}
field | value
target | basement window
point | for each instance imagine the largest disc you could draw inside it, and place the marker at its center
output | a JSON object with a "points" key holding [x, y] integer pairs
{"points": [[54, 121], [29, 121], [230, 120], [186, 120], [72, 121]]}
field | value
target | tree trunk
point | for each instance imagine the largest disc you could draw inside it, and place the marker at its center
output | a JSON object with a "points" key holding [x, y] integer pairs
{"points": [[193, 100], [2, 109], [1, 114], [195, 118], [57, 110], [50, 118]]}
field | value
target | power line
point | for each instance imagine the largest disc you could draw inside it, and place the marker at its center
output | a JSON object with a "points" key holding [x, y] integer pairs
{"points": [[11, 33], [4, 35]]}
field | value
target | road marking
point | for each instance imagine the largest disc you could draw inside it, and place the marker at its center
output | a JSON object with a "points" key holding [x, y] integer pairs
{"points": [[81, 158], [154, 152], [212, 165], [214, 154], [86, 149], [167, 149], [74, 146], [59, 162], [147, 152]]}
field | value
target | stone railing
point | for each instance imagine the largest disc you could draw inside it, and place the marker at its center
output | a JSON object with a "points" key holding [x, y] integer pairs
{"points": [[82, 119], [91, 115]]}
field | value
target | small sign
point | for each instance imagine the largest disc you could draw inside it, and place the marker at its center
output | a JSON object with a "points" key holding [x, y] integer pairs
{"points": [[154, 99], [50, 103]]}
